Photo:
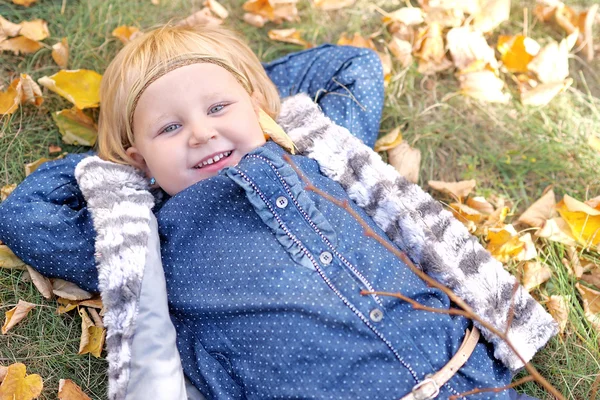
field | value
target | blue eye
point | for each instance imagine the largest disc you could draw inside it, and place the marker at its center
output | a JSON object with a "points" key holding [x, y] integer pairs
{"points": [[216, 108], [170, 128]]}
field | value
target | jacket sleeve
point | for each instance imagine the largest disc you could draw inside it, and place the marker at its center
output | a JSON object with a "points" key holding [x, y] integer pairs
{"points": [[46, 223], [431, 237]]}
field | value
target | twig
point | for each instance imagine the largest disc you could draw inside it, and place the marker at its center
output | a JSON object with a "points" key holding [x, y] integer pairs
{"points": [[521, 381], [429, 280], [511, 310]]}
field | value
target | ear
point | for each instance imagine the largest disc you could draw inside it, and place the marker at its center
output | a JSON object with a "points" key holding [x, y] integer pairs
{"points": [[138, 159]]}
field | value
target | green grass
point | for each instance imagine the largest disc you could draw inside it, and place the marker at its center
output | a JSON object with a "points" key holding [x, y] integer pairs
{"points": [[511, 150]]}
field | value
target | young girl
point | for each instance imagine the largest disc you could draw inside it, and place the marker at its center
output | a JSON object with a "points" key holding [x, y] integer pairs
{"points": [[263, 276]]}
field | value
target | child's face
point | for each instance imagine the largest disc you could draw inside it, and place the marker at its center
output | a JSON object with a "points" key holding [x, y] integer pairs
{"points": [[186, 118]]}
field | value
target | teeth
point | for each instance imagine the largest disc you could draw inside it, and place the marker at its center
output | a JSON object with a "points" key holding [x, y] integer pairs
{"points": [[214, 159]]}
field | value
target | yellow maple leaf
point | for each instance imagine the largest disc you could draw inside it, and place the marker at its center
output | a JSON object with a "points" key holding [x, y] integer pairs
{"points": [[126, 33], [76, 127], [583, 220], [92, 336], [6, 190], [36, 29], [389, 141], [20, 44], [10, 100], [8, 259], [517, 52], [16, 314], [32, 166], [357, 41], [17, 386], [81, 87], [504, 243]]}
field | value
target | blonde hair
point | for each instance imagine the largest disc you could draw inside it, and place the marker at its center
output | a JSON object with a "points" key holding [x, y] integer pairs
{"points": [[155, 53]]}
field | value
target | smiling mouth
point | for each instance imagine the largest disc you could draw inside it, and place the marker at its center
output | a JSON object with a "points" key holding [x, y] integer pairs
{"points": [[214, 160]]}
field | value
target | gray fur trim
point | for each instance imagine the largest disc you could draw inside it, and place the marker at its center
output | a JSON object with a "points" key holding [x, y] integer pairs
{"points": [[120, 204], [430, 235]]}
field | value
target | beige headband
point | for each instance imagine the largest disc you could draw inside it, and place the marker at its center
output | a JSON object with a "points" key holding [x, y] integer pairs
{"points": [[162, 69]]}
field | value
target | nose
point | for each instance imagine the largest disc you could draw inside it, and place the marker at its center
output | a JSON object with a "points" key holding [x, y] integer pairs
{"points": [[201, 134]]}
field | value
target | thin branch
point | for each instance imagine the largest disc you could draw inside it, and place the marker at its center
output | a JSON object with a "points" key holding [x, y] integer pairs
{"points": [[511, 310], [429, 280]]}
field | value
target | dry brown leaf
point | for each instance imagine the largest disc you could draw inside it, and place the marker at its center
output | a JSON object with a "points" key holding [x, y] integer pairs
{"points": [[544, 93], [558, 307], [69, 290], [552, 62], [534, 274], [81, 87], [572, 22], [480, 204], [216, 8], [470, 217], [406, 160], [468, 46], [25, 3], [202, 17], [32, 166], [67, 305], [42, 283], [54, 149], [76, 127], [3, 372], [529, 251], [17, 386], [594, 202], [591, 304], [467, 6], [126, 33], [583, 220], [95, 317], [557, 230], [8, 28], [15, 315], [448, 18], [274, 10], [408, 16], [402, 51], [356, 41], [491, 15], [540, 211], [8, 259], [517, 52], [458, 190], [431, 51], [20, 44], [329, 5], [496, 219], [255, 20], [483, 85], [30, 91], [60, 53], [288, 36], [35, 30], [6, 190], [92, 337], [68, 390], [389, 141], [593, 277]]}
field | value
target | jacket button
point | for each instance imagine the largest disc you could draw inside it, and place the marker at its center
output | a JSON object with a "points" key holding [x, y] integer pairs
{"points": [[281, 202], [376, 315], [326, 258]]}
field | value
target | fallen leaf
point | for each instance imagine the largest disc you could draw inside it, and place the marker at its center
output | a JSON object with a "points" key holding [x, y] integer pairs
{"points": [[544, 93], [467, 215], [496, 219], [126, 33], [517, 52], [69, 290], [8, 259], [592, 278], [17, 386], [551, 64], [468, 6], [329, 5], [356, 41], [594, 202], [10, 99], [8, 28], [448, 18], [272, 130], [402, 51], [406, 160], [288, 36], [492, 13], [557, 230], [582, 23], [468, 46], [54, 149], [558, 307], [389, 141], [15, 315], [458, 190], [81, 86], [255, 20], [20, 44], [6, 190], [583, 220], [92, 337], [32, 166], [67, 305], [431, 51], [69, 390], [35, 30], [529, 251], [42, 283], [95, 317], [202, 17], [591, 304], [408, 16], [274, 10], [3, 372], [25, 3], [540, 211], [216, 8], [25, 277], [534, 274], [504, 243], [480, 204], [483, 85], [76, 127], [60, 53], [30, 91]]}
